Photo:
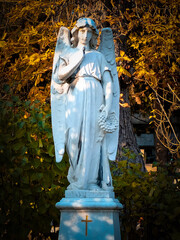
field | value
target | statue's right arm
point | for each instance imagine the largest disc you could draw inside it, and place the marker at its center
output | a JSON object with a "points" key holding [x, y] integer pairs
{"points": [[65, 71]]}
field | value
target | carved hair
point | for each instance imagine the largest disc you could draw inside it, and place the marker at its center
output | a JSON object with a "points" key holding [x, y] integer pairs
{"points": [[81, 23]]}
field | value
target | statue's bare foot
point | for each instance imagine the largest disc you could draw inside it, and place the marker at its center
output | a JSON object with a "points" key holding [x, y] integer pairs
{"points": [[94, 187], [106, 187], [73, 186]]}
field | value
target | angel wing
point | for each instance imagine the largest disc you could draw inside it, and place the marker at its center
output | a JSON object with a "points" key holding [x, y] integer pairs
{"points": [[62, 46], [107, 48], [58, 93]]}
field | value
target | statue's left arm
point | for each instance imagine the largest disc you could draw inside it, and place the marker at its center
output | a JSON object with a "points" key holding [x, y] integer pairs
{"points": [[107, 48]]}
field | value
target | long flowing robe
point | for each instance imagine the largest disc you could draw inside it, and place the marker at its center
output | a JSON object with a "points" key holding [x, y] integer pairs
{"points": [[85, 142]]}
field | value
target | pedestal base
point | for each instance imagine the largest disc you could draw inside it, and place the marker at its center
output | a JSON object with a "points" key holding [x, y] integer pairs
{"points": [[89, 218]]}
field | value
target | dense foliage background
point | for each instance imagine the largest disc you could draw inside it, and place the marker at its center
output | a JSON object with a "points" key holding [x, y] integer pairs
{"points": [[31, 182]]}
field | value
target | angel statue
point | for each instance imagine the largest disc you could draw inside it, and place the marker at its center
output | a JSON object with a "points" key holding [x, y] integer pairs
{"points": [[85, 104]]}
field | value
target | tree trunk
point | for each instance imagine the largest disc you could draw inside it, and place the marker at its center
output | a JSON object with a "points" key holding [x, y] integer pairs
{"points": [[161, 152], [127, 147]]}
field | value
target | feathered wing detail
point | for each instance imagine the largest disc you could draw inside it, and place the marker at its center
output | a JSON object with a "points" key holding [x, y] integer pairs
{"points": [[58, 93], [107, 48], [62, 46]]}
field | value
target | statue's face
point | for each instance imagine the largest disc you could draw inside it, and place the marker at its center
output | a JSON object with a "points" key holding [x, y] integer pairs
{"points": [[84, 35]]}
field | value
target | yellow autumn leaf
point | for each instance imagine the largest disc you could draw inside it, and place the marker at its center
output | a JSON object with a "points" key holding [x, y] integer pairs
{"points": [[124, 105], [34, 59], [4, 35], [2, 44], [122, 70], [122, 53], [174, 67], [124, 58], [138, 100]]}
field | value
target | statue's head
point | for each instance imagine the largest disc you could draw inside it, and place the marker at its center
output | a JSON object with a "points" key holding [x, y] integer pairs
{"points": [[82, 23]]}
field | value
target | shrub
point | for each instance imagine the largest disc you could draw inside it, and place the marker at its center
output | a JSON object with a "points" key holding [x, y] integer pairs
{"points": [[151, 201], [31, 182]]}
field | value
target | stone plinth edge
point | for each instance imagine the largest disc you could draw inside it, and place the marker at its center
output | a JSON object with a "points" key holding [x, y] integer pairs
{"points": [[88, 194], [89, 203]]}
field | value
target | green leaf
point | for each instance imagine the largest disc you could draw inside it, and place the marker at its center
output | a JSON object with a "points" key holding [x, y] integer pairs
{"points": [[27, 103], [21, 124], [40, 143], [17, 146], [51, 150], [36, 163], [36, 176], [15, 99]]}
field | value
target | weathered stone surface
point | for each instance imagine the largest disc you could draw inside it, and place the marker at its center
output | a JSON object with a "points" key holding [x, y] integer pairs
{"points": [[85, 106], [88, 194], [101, 215]]}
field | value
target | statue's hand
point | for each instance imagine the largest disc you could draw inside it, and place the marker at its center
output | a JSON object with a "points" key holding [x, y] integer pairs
{"points": [[66, 70], [105, 110], [108, 121]]}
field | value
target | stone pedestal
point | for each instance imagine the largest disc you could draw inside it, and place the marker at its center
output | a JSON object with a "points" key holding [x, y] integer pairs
{"points": [[89, 215]]}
